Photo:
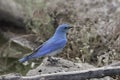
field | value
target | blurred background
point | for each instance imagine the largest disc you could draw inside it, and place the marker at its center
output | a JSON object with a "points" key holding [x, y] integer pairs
{"points": [[25, 24]]}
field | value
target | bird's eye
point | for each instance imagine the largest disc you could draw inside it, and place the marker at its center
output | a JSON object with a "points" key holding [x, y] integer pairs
{"points": [[65, 27]]}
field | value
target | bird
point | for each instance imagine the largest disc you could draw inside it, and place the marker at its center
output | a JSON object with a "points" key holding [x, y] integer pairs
{"points": [[52, 46]]}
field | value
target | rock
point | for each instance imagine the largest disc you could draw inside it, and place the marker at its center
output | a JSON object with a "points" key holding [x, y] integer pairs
{"points": [[9, 76], [11, 12], [46, 68], [62, 66]]}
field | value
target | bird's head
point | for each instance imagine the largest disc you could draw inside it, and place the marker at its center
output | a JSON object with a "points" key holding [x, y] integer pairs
{"points": [[63, 28]]}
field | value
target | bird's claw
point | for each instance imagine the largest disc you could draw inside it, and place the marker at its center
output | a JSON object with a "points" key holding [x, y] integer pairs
{"points": [[52, 60]]}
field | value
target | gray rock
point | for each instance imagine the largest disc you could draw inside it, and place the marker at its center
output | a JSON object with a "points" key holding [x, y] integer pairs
{"points": [[62, 66]]}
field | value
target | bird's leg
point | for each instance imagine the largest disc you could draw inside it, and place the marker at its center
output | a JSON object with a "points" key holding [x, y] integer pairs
{"points": [[51, 60]]}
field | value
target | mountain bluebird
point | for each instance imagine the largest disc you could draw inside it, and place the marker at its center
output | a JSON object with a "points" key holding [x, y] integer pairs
{"points": [[52, 46]]}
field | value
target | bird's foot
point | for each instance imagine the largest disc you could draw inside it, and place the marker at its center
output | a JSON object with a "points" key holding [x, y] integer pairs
{"points": [[53, 61]]}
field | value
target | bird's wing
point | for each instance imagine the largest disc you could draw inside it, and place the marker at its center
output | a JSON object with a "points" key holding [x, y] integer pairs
{"points": [[48, 47], [34, 51], [30, 55], [41, 46]]}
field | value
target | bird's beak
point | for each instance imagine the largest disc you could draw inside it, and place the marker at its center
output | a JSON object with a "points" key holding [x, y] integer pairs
{"points": [[70, 27]]}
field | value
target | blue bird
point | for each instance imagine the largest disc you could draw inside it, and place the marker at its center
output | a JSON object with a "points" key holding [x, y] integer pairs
{"points": [[52, 46]]}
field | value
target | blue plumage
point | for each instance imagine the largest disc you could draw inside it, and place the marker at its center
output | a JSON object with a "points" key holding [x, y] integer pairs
{"points": [[52, 46]]}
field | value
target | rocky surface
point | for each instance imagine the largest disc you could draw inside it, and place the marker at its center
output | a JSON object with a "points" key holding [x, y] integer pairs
{"points": [[61, 66]]}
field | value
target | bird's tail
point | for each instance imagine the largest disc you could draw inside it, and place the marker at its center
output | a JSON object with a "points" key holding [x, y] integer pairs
{"points": [[26, 58], [23, 59]]}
